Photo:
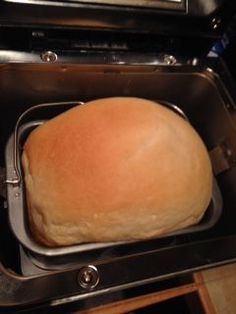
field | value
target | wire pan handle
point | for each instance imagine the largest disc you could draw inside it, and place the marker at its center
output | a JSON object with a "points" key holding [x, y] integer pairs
{"points": [[173, 107], [16, 179]]}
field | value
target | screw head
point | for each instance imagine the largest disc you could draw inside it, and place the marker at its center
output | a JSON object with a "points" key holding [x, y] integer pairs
{"points": [[170, 60], [88, 277], [49, 56]]}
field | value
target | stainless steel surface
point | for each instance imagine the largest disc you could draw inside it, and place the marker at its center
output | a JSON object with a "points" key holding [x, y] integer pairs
{"points": [[166, 18], [90, 57], [177, 4], [223, 157], [140, 2], [116, 275], [212, 112], [25, 79]]}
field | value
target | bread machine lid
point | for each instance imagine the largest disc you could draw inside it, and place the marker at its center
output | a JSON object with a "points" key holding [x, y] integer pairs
{"points": [[177, 26]]}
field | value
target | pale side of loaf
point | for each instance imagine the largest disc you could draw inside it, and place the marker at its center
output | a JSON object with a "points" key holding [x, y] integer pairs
{"points": [[114, 169]]}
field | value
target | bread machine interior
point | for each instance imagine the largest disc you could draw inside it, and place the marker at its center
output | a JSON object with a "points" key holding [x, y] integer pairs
{"points": [[73, 63], [206, 111]]}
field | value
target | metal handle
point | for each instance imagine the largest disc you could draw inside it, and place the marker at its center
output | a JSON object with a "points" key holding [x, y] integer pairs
{"points": [[174, 108], [17, 175]]}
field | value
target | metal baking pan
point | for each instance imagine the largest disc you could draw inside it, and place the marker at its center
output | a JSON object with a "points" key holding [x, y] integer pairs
{"points": [[18, 211]]}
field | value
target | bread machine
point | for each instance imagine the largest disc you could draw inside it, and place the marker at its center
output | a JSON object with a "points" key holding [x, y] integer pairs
{"points": [[56, 53]]}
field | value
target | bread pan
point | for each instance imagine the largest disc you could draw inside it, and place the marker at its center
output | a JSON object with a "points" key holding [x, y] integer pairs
{"points": [[82, 252]]}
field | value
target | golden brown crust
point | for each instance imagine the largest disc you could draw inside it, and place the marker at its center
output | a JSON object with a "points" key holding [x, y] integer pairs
{"points": [[114, 169]]}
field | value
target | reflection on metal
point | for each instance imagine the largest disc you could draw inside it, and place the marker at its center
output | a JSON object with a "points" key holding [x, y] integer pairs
{"points": [[204, 97], [49, 56], [223, 157], [170, 60], [88, 277], [215, 23], [91, 57], [133, 3]]}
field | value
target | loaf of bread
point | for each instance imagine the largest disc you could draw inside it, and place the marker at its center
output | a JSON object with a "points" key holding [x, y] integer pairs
{"points": [[114, 169]]}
